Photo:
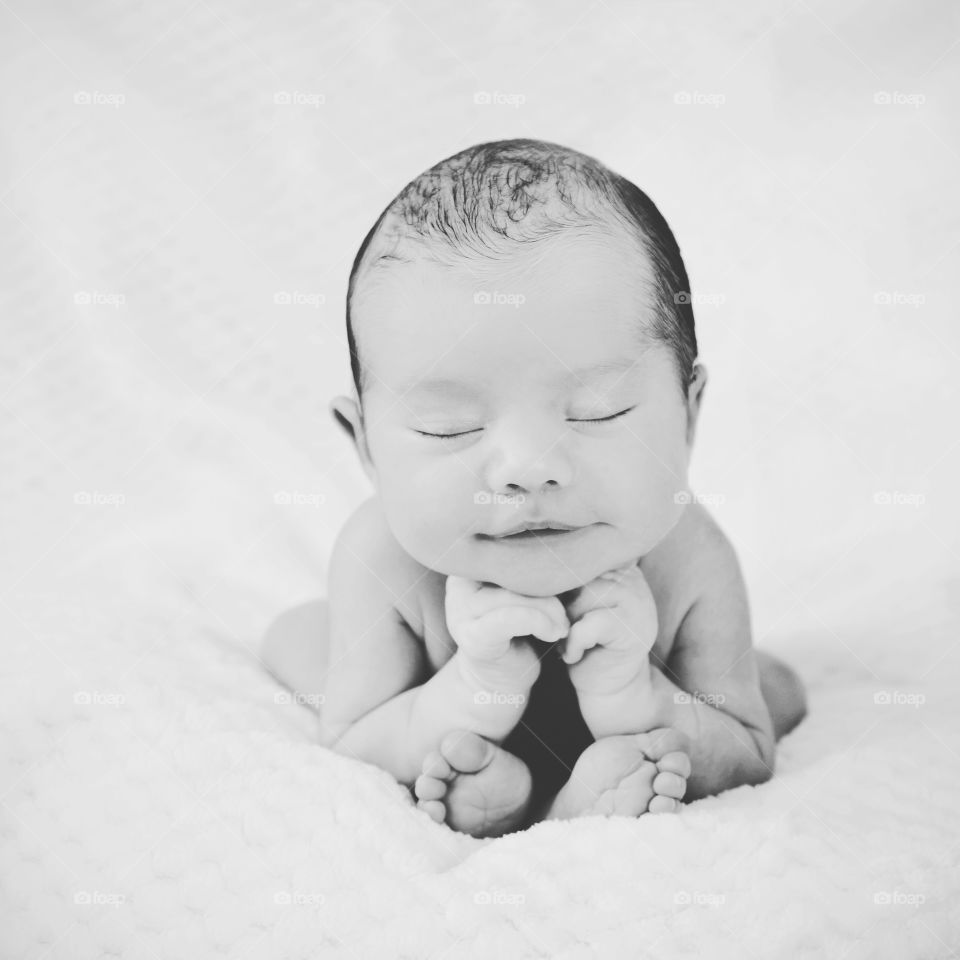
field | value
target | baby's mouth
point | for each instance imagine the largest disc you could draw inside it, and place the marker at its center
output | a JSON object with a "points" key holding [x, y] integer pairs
{"points": [[545, 534], [534, 534]]}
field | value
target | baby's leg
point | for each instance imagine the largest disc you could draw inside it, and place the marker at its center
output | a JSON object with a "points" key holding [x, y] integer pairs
{"points": [[783, 691], [294, 649]]}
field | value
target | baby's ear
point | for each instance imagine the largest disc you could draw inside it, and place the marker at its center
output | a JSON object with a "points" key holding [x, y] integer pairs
{"points": [[695, 390], [346, 412], [342, 419], [348, 416]]}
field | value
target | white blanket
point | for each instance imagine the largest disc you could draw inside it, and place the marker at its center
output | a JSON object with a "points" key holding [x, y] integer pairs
{"points": [[173, 267]]}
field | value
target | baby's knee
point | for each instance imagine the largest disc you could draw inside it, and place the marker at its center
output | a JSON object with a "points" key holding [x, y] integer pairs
{"points": [[783, 691]]}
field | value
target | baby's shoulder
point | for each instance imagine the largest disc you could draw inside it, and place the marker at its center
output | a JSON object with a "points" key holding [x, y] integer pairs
{"points": [[692, 559], [366, 543], [700, 540]]}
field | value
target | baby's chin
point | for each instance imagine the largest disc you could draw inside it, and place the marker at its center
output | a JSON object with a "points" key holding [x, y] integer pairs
{"points": [[536, 570], [534, 586], [541, 578]]}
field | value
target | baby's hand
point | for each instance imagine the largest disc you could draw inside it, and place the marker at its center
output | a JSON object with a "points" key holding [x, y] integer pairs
{"points": [[490, 625], [614, 627]]}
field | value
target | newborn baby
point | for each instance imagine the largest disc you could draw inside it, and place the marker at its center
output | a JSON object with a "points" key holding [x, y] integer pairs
{"points": [[533, 617]]}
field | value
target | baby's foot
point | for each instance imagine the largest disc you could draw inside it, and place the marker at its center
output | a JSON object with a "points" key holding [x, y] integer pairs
{"points": [[626, 775], [476, 786]]}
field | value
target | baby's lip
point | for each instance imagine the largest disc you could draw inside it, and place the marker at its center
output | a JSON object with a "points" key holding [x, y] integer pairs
{"points": [[555, 526]]}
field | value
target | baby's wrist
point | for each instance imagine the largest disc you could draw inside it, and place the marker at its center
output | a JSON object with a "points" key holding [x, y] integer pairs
{"points": [[623, 680], [496, 677], [630, 706]]}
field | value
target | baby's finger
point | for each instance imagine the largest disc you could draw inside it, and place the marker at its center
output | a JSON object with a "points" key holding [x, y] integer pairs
{"points": [[584, 635], [554, 610], [595, 595], [488, 596], [523, 621], [548, 627], [610, 589], [620, 573]]}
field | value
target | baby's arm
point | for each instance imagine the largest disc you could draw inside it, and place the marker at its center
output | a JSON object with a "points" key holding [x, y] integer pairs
{"points": [[397, 734], [380, 704], [710, 687]]}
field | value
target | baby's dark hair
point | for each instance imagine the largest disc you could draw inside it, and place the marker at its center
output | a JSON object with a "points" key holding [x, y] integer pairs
{"points": [[481, 201]]}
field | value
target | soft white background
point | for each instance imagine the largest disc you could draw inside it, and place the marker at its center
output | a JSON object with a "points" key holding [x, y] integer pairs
{"points": [[800, 202]]}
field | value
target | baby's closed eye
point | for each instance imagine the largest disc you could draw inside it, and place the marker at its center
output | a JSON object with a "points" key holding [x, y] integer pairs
{"points": [[450, 435]]}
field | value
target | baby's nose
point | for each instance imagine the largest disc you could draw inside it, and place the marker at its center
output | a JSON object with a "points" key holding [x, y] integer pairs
{"points": [[531, 465]]}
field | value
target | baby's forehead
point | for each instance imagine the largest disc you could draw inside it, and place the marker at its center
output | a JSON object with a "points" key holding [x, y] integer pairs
{"points": [[499, 343], [411, 260]]}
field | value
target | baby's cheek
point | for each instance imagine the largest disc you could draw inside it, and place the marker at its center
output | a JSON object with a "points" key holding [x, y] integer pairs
{"points": [[654, 507]]}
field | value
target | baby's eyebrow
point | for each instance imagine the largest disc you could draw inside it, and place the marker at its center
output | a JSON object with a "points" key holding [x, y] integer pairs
{"points": [[614, 365], [447, 386], [440, 385]]}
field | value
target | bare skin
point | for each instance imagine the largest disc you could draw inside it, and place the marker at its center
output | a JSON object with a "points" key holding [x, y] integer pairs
{"points": [[563, 417], [479, 788]]}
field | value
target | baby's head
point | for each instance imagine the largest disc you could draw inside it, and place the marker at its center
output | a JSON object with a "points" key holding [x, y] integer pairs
{"points": [[523, 350]]}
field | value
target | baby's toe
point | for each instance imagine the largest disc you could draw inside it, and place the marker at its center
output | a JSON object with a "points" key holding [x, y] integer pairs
{"points": [[661, 804], [434, 765], [677, 762], [429, 788], [467, 752], [670, 785], [436, 810]]}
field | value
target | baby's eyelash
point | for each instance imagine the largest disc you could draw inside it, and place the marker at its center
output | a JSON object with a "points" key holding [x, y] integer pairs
{"points": [[454, 436], [445, 436], [602, 419]]}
